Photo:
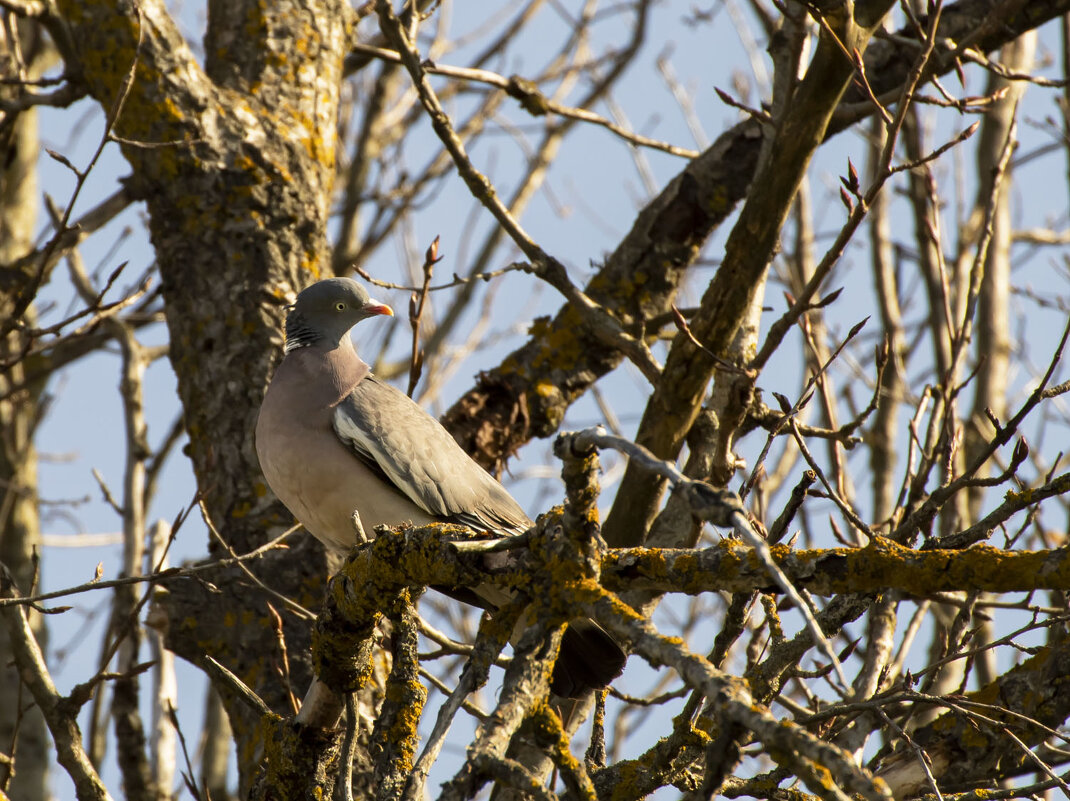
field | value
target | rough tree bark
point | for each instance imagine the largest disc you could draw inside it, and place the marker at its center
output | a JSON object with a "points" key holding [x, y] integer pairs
{"points": [[235, 163]]}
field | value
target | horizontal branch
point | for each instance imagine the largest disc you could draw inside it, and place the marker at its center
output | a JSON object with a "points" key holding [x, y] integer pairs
{"points": [[733, 567], [369, 582]]}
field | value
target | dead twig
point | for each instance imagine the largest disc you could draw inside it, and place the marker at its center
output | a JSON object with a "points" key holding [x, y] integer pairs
{"points": [[416, 313]]}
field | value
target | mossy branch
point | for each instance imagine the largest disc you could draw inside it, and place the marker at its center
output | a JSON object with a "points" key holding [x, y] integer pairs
{"points": [[882, 565], [395, 737]]}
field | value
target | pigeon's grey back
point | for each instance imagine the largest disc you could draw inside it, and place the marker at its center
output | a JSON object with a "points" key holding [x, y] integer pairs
{"points": [[391, 432]]}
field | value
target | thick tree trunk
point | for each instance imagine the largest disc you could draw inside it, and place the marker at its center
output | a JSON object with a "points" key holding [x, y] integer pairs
{"points": [[236, 165]]}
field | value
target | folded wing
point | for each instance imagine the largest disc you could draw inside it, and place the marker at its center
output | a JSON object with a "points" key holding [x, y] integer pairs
{"points": [[392, 434]]}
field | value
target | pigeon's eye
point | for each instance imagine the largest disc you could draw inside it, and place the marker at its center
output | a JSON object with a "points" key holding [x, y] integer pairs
{"points": [[340, 306]]}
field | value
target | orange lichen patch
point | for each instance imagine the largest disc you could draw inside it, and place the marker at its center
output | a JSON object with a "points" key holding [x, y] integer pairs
{"points": [[409, 698], [310, 263], [545, 389], [549, 732], [318, 139], [1025, 496], [292, 770], [392, 562], [152, 110], [118, 33], [776, 630], [172, 109], [244, 163], [981, 566], [821, 774], [561, 347]]}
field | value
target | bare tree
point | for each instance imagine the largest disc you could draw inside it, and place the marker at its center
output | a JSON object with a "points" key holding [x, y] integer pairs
{"points": [[828, 515]]}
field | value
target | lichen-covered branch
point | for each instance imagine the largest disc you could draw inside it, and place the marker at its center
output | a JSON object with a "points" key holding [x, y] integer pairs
{"points": [[394, 740], [425, 556], [733, 567]]}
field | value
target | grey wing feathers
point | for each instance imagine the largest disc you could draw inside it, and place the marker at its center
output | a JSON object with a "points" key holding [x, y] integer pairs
{"points": [[389, 431]]}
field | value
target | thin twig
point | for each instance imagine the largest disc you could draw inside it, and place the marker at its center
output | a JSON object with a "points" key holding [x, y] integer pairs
{"points": [[289, 603], [344, 790], [530, 98], [236, 685], [155, 578], [29, 292], [416, 313]]}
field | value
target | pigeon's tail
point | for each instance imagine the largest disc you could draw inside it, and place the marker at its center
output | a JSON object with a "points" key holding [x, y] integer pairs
{"points": [[589, 660]]}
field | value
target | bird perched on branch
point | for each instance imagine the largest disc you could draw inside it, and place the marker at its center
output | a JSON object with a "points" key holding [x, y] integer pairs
{"points": [[333, 439]]}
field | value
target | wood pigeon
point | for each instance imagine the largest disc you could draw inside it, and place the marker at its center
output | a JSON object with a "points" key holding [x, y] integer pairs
{"points": [[332, 438]]}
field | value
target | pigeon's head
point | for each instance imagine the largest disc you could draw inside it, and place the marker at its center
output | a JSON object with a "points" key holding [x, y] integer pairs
{"points": [[327, 310]]}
